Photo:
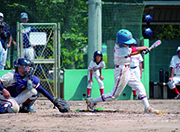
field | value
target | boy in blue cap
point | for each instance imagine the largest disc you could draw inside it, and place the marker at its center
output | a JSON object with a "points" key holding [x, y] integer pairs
{"points": [[122, 72]]}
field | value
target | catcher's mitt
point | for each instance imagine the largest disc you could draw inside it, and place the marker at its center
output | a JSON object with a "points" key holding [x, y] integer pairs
{"points": [[62, 105]]}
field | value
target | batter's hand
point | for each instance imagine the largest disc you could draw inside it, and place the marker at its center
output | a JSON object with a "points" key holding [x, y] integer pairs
{"points": [[101, 77], [6, 94], [90, 80], [171, 78]]}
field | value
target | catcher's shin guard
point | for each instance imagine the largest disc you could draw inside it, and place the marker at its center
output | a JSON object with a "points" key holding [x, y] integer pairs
{"points": [[27, 105]]}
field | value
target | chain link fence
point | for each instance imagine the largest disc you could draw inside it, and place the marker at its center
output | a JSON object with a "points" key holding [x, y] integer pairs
{"points": [[44, 40]]}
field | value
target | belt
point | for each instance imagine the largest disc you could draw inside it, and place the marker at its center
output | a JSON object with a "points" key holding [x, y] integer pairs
{"points": [[133, 67]]}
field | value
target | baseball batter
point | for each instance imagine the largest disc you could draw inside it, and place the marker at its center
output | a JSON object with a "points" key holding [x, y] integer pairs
{"points": [[94, 70], [175, 73], [122, 73], [136, 68]]}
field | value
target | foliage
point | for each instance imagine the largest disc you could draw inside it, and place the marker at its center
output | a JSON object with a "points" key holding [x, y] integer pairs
{"points": [[72, 15]]}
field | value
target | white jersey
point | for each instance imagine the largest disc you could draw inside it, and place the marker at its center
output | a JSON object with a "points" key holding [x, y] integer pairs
{"points": [[135, 60], [93, 65], [8, 79], [122, 55], [175, 63]]}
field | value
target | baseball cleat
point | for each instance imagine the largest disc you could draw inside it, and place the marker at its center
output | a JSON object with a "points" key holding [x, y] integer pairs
{"points": [[177, 97], [135, 97], [150, 109], [90, 104]]}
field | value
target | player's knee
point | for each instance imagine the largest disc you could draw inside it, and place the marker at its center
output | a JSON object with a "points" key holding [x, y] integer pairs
{"points": [[171, 84], [141, 95]]}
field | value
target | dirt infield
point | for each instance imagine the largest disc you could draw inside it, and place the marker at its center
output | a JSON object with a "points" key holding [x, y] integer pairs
{"points": [[123, 116]]}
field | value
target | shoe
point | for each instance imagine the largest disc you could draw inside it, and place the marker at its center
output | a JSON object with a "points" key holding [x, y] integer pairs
{"points": [[135, 97], [3, 109], [177, 97], [27, 110], [150, 109], [88, 96], [90, 104]]}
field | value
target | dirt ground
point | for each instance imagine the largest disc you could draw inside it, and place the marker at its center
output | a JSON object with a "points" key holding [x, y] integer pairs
{"points": [[124, 116]]}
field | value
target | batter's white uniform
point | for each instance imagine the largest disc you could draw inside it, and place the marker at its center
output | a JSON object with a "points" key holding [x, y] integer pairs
{"points": [[134, 65], [123, 75], [95, 67], [9, 80], [175, 63]]}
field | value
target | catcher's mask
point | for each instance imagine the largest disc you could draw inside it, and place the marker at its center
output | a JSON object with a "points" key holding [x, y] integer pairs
{"points": [[26, 64]]}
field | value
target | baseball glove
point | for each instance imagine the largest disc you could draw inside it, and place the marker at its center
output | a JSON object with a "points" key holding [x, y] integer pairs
{"points": [[62, 105]]}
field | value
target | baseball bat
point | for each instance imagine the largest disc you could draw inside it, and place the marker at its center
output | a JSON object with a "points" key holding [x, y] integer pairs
{"points": [[154, 45]]}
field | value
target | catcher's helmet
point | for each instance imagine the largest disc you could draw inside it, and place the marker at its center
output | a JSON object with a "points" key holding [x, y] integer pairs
{"points": [[23, 62], [98, 53], [124, 36]]}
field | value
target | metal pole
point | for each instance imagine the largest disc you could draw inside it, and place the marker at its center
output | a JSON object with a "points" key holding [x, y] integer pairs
{"points": [[21, 41], [59, 60], [94, 28], [17, 41], [55, 57]]}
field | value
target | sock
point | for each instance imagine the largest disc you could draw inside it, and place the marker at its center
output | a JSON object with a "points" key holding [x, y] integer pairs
{"points": [[145, 102], [134, 92], [102, 91], [88, 92], [175, 90]]}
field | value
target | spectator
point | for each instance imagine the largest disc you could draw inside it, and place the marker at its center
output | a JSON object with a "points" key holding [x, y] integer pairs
{"points": [[7, 39], [26, 30]]}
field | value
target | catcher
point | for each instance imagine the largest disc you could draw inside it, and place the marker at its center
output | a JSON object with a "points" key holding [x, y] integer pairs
{"points": [[21, 88]]}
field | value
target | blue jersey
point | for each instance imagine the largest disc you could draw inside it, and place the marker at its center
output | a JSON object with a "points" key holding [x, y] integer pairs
{"points": [[15, 84], [26, 30]]}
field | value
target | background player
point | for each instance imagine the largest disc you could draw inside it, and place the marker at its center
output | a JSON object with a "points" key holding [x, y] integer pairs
{"points": [[136, 68], [175, 73], [122, 73], [94, 70]]}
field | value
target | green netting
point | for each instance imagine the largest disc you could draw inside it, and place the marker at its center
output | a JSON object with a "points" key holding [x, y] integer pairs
{"points": [[116, 16]]}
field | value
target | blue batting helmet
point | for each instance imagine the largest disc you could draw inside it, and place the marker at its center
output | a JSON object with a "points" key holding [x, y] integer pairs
{"points": [[98, 53], [124, 36]]}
